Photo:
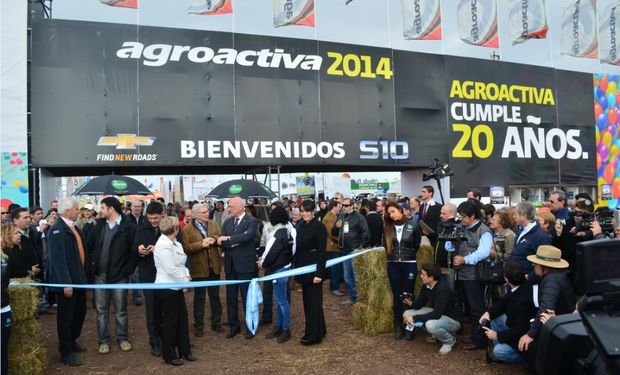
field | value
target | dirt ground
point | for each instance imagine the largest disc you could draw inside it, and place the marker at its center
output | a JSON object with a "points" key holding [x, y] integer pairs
{"points": [[343, 351]]}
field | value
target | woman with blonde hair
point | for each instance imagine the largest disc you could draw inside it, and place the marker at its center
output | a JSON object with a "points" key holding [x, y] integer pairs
{"points": [[504, 237], [170, 261], [20, 263]]}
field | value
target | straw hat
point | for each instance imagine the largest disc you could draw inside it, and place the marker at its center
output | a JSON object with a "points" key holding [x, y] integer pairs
{"points": [[548, 256]]}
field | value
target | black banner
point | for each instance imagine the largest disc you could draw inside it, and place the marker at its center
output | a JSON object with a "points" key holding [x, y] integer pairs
{"points": [[122, 96], [513, 124]]}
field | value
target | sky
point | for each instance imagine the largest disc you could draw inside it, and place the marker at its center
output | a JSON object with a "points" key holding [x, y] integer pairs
{"points": [[367, 22]]}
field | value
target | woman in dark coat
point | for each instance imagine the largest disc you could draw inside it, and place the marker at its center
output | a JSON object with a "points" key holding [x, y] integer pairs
{"points": [[401, 240], [311, 243]]}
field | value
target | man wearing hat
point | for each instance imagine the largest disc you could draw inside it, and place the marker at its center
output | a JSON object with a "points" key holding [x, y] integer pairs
{"points": [[87, 223], [555, 292]]}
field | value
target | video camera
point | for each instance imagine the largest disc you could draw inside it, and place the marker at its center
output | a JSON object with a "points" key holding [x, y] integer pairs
{"points": [[605, 219], [587, 343], [451, 232]]}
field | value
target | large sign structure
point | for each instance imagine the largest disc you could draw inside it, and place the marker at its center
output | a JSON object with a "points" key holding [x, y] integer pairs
{"points": [[116, 95]]}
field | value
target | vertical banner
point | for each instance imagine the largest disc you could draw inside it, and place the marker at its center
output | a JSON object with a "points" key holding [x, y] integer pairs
{"points": [[606, 111], [579, 36], [293, 12], [607, 35], [13, 99], [210, 7], [528, 20], [477, 22], [421, 19]]}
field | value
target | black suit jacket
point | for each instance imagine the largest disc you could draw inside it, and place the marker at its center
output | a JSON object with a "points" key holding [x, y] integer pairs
{"points": [[240, 251], [139, 222], [65, 266], [311, 245], [375, 225], [432, 215], [519, 309]]}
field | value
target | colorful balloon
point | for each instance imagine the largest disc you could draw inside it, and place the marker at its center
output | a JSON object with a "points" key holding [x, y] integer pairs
{"points": [[601, 121], [597, 110], [603, 151], [599, 162], [611, 99], [603, 82], [609, 173], [606, 139], [603, 101], [612, 88], [612, 116], [615, 189], [598, 92], [23, 189]]}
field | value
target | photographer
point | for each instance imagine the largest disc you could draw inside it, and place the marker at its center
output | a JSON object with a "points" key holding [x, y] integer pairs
{"points": [[476, 248], [509, 318], [573, 229], [442, 319], [442, 257], [603, 225]]}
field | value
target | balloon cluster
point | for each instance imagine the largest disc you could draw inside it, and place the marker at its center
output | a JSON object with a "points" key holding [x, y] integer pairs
{"points": [[607, 112], [15, 160]]}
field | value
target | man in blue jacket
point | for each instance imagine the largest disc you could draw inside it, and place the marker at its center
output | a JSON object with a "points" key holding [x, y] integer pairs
{"points": [[68, 265], [529, 238]]}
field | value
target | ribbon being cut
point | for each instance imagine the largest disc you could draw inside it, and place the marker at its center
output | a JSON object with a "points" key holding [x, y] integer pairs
{"points": [[254, 298]]}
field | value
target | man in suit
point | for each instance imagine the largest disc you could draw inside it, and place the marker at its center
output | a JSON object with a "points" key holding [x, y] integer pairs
{"points": [[375, 224], [510, 316], [430, 210], [67, 257], [237, 241], [137, 217]]}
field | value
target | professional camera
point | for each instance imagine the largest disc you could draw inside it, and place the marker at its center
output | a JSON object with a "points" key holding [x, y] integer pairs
{"points": [[486, 323], [605, 219], [451, 232], [406, 296]]}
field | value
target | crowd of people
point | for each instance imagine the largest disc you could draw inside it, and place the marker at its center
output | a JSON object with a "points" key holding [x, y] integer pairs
{"points": [[160, 243]]}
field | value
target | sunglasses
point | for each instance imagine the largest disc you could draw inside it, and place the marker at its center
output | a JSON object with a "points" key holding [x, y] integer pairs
{"points": [[347, 205], [5, 213]]}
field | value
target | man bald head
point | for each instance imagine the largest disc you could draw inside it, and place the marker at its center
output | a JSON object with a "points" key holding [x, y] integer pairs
{"points": [[236, 207], [448, 211]]}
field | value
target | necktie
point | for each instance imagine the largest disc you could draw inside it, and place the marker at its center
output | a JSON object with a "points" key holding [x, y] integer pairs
{"points": [[425, 210], [79, 242], [236, 224]]}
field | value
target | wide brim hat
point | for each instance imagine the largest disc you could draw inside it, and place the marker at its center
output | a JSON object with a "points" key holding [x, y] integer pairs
{"points": [[548, 256]]}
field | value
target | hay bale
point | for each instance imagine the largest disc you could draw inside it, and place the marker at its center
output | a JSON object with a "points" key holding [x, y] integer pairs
{"points": [[24, 300], [378, 322], [26, 355], [425, 254], [359, 314]]}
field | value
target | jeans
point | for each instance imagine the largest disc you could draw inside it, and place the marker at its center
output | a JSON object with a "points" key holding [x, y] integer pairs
{"points": [[335, 271], [504, 352], [402, 279], [471, 292], [443, 328], [349, 278], [7, 322], [136, 294], [102, 305], [283, 309], [267, 300]]}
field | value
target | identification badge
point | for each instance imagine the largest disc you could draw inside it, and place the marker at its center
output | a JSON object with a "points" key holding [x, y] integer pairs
{"points": [[345, 228]]}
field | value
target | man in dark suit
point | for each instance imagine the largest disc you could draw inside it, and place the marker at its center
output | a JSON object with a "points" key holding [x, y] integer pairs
{"points": [[375, 224], [430, 210], [67, 265], [137, 217], [237, 241], [510, 317]]}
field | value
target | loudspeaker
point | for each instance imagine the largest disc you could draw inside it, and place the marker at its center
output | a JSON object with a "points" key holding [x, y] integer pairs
{"points": [[562, 343]]}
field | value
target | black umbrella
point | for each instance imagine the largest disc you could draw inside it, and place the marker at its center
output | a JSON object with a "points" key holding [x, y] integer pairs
{"points": [[112, 185], [242, 188]]}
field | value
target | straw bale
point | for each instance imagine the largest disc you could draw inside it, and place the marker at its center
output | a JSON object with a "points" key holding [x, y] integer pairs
{"points": [[24, 300]]}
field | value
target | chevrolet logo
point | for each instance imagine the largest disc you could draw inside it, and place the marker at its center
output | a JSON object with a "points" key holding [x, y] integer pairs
{"points": [[126, 141]]}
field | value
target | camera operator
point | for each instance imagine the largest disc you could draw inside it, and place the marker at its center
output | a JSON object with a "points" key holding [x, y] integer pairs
{"points": [[509, 318], [554, 293], [605, 229], [476, 248], [442, 257], [571, 230]]}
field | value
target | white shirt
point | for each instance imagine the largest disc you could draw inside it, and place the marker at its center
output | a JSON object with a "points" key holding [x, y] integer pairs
{"points": [[170, 261], [526, 229], [67, 221]]}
